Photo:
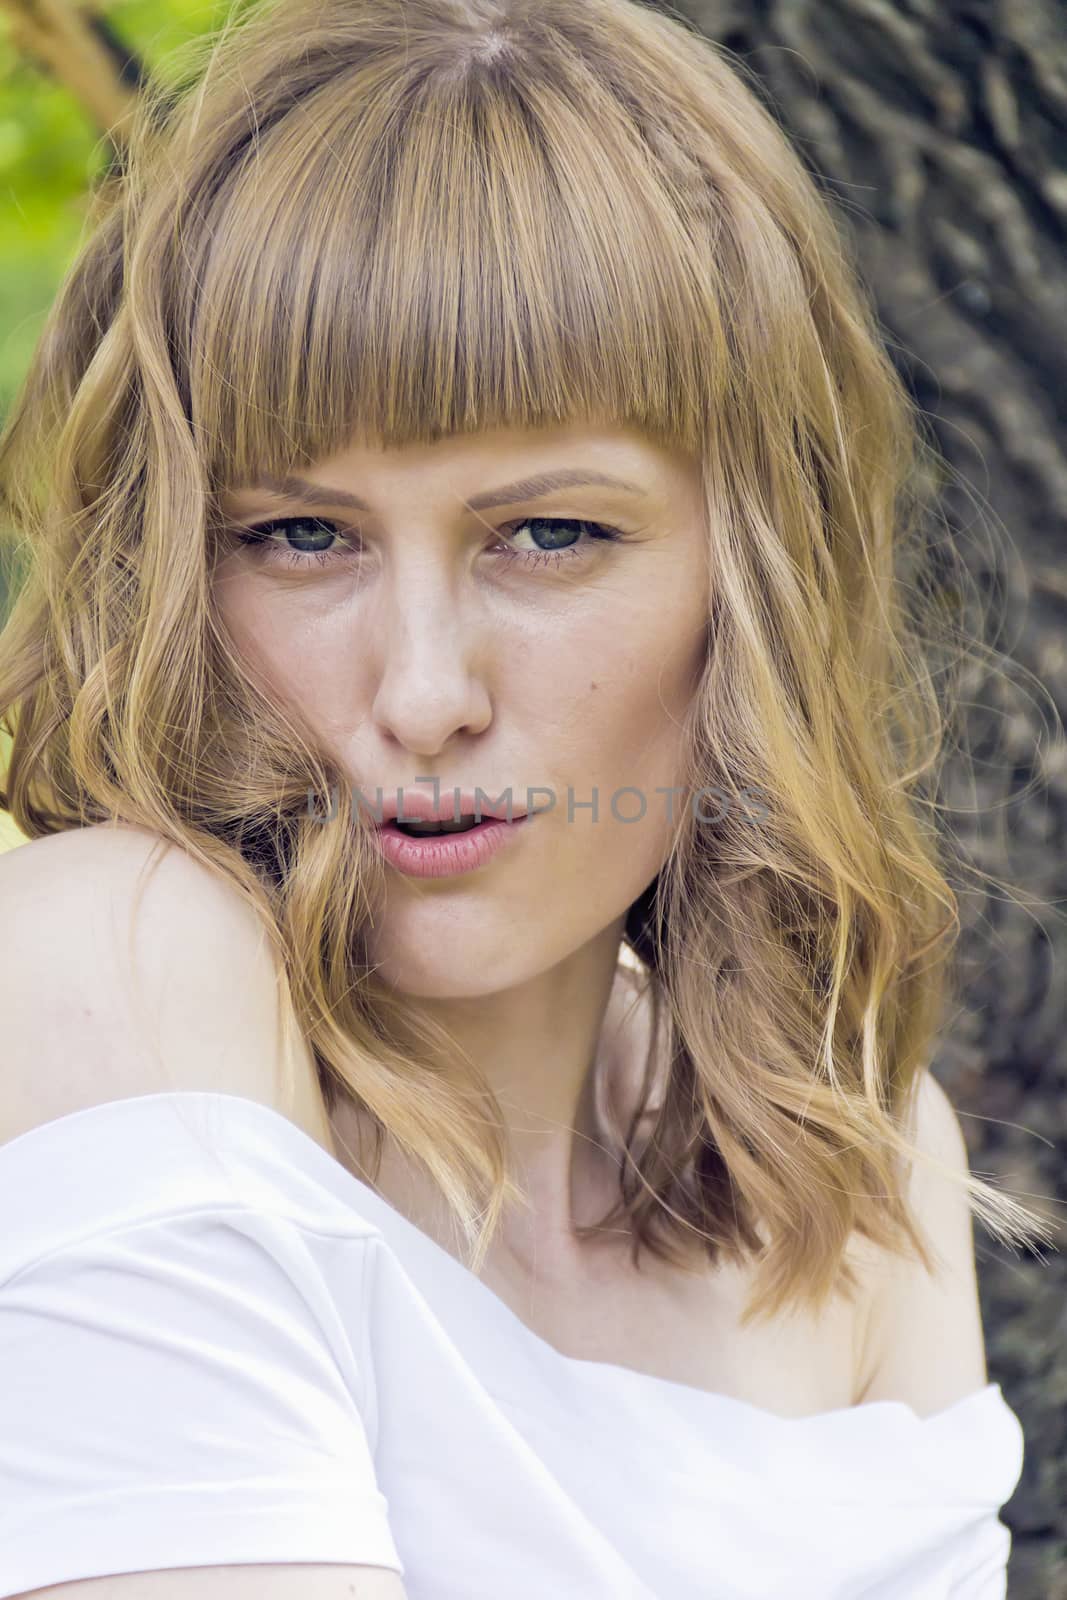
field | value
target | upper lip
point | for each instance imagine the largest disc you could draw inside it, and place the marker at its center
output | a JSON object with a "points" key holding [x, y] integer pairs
{"points": [[418, 806]]}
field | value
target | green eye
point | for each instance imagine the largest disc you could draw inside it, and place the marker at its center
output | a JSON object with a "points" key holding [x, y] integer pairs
{"points": [[552, 531], [298, 548], [301, 541]]}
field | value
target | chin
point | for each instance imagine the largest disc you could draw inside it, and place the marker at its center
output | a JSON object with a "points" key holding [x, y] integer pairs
{"points": [[454, 971]]}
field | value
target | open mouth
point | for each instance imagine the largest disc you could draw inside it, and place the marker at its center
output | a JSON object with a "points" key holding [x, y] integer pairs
{"points": [[446, 847], [421, 830]]}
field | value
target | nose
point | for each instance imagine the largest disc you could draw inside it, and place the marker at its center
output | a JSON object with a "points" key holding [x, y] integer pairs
{"points": [[430, 660]]}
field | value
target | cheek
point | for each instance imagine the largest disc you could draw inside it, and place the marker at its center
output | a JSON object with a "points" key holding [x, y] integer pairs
{"points": [[307, 661], [600, 695], [613, 711], [630, 681]]}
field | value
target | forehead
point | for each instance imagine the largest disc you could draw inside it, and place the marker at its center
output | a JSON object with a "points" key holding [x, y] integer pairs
{"points": [[495, 466]]}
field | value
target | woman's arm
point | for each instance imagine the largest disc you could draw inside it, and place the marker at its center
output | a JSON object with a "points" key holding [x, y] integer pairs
{"points": [[297, 1582], [90, 1018], [924, 1343]]}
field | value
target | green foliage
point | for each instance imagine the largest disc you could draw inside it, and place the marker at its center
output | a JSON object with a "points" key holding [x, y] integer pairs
{"points": [[50, 153]]}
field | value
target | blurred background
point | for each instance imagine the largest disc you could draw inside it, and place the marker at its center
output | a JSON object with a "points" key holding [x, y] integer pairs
{"points": [[939, 130]]}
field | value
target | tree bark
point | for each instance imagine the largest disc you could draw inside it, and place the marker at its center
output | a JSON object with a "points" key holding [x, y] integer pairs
{"points": [[939, 128]]}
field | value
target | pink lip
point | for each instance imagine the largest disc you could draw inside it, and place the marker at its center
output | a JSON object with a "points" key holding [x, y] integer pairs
{"points": [[445, 855]]}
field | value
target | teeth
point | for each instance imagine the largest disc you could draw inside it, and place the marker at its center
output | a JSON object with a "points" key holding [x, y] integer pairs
{"points": [[419, 828]]}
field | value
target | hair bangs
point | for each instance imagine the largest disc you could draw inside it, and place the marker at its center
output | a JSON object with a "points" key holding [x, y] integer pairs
{"points": [[394, 221], [347, 289]]}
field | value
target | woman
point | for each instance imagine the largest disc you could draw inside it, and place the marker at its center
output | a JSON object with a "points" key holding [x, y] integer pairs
{"points": [[467, 413]]}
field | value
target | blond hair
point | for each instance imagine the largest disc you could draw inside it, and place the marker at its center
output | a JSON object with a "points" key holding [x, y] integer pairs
{"points": [[411, 219]]}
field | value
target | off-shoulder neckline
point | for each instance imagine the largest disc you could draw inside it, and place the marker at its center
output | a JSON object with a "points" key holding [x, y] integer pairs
{"points": [[313, 1153]]}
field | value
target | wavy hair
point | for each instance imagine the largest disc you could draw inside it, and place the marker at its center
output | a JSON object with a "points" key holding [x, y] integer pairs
{"points": [[625, 233]]}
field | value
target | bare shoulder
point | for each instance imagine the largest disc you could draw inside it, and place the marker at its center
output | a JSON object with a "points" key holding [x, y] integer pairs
{"points": [[923, 1340], [59, 864], [128, 966]]}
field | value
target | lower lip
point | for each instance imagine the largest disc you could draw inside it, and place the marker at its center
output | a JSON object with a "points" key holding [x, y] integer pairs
{"points": [[442, 855]]}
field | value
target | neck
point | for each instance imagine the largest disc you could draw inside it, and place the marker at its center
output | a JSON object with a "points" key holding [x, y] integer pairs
{"points": [[576, 1043]]}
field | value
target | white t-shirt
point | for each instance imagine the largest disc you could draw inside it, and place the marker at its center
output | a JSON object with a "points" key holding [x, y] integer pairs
{"points": [[217, 1346]]}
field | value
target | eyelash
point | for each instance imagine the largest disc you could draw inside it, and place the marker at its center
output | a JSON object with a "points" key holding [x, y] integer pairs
{"points": [[260, 536]]}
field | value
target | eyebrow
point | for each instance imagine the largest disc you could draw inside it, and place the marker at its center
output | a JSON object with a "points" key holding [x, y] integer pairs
{"points": [[532, 488]]}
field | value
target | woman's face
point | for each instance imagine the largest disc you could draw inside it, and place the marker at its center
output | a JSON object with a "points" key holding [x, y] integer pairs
{"points": [[430, 635]]}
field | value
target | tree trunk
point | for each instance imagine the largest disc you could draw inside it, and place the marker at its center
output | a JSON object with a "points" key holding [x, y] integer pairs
{"points": [[940, 128]]}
